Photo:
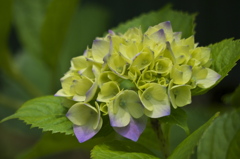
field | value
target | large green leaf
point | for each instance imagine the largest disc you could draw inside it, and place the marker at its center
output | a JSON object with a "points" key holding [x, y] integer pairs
{"points": [[225, 54], [55, 26], [5, 19], [28, 19], [121, 150], [47, 113], [234, 147], [177, 117], [181, 22], [82, 31], [51, 144], [221, 138], [185, 148], [235, 98]]}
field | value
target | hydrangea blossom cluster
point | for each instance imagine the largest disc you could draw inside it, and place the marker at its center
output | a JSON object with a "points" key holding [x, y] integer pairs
{"points": [[134, 76]]}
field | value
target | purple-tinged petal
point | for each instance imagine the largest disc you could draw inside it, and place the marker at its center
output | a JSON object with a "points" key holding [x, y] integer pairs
{"points": [[91, 92], [134, 129], [100, 48], [158, 36], [111, 32], [85, 132], [177, 36], [119, 119]]}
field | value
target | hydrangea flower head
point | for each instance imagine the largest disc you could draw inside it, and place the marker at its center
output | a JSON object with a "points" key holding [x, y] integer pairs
{"points": [[134, 76]]}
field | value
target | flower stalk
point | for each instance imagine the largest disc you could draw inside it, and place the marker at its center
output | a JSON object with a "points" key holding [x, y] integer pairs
{"points": [[163, 136]]}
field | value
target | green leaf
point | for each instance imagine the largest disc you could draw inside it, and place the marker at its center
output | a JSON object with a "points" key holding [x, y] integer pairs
{"points": [[46, 113], [149, 138], [234, 147], [225, 54], [51, 144], [177, 117], [220, 138], [181, 22], [185, 148], [5, 19], [25, 60], [121, 150], [58, 17], [80, 36], [235, 98], [28, 19]]}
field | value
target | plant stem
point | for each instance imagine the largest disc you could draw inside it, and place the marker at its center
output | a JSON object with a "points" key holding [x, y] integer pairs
{"points": [[163, 138]]}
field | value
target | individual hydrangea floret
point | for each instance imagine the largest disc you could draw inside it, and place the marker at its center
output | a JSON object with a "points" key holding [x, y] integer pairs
{"points": [[132, 77]]}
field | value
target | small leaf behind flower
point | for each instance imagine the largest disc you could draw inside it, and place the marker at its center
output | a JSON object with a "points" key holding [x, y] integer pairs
{"points": [[225, 54], [177, 117], [181, 22], [185, 148], [121, 150], [222, 139], [47, 113]]}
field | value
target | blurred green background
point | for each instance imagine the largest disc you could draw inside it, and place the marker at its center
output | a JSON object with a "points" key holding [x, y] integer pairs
{"points": [[38, 38]]}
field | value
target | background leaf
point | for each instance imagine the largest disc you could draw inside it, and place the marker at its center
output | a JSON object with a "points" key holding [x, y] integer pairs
{"points": [[181, 22], [51, 144], [234, 147], [28, 20], [177, 117], [46, 113], [235, 97], [185, 148], [82, 31], [121, 150], [225, 54], [58, 17], [217, 141]]}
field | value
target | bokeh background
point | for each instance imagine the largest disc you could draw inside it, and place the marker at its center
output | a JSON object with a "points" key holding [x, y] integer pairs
{"points": [[216, 20]]}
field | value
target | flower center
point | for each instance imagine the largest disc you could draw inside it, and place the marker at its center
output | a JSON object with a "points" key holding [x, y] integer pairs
{"points": [[127, 85]]}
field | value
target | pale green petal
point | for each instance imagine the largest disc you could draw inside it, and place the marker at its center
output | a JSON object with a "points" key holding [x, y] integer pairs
{"points": [[100, 49], [143, 59], [119, 117], [87, 72], [129, 51], [79, 98], [116, 41], [61, 93], [79, 63], [117, 64], [199, 73], [202, 55], [177, 36], [158, 36], [108, 91], [104, 108], [180, 95], [166, 26], [91, 92], [98, 121], [210, 79], [163, 66], [80, 114], [68, 83], [181, 53], [181, 74], [129, 101], [82, 86], [106, 77], [188, 42], [135, 34], [155, 100]]}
